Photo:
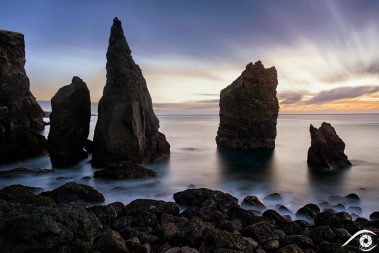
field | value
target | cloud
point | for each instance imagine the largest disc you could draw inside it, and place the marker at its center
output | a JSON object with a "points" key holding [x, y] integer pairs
{"points": [[342, 93], [290, 98]]}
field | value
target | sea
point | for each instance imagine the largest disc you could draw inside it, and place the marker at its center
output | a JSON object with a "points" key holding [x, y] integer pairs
{"points": [[197, 162]]}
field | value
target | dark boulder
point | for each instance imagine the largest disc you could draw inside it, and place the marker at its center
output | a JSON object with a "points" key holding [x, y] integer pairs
{"points": [[152, 206], [374, 215], [261, 231], [127, 128], [24, 195], [24, 111], [77, 193], [327, 149], [107, 215], [124, 170], [29, 228], [111, 242], [308, 212], [254, 203], [69, 124], [249, 110]]}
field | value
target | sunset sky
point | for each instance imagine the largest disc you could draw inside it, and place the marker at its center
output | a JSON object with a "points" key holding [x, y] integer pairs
{"points": [[326, 52]]}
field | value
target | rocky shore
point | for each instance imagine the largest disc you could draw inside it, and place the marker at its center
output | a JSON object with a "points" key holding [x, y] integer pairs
{"points": [[72, 218]]}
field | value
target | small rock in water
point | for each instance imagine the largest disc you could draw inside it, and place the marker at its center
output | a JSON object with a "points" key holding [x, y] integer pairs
{"points": [[327, 149], [273, 197], [253, 202], [283, 209], [374, 215], [124, 170], [355, 209]]}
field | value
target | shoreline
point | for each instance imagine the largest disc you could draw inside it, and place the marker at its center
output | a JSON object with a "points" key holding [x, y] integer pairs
{"points": [[200, 220]]}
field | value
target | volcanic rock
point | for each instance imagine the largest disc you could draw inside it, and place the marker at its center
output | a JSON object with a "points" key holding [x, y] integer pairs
{"points": [[327, 149], [69, 124], [22, 194], [127, 128], [15, 94], [249, 110], [124, 170]]}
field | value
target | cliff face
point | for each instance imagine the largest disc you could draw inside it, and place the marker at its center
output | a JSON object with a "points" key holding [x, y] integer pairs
{"points": [[127, 128], [327, 148], [69, 123], [249, 110], [24, 110]]}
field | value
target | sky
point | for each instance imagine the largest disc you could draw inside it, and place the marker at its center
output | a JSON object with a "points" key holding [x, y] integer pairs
{"points": [[326, 52]]}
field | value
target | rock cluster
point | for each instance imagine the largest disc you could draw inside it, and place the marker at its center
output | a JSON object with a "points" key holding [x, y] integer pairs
{"points": [[212, 222], [20, 116], [327, 149], [69, 124], [127, 128], [249, 110]]}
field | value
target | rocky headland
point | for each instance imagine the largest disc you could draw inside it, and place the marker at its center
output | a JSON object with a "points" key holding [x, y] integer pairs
{"points": [[327, 149], [249, 110], [69, 124], [127, 128], [71, 218]]}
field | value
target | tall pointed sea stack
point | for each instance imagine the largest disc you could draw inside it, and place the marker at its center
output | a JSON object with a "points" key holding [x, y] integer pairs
{"points": [[249, 110], [23, 108], [127, 128]]}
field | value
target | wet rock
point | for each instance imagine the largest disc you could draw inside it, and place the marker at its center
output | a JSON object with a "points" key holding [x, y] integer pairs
{"points": [[218, 239], [323, 233], [111, 241], [273, 197], [374, 215], [292, 248], [73, 192], [249, 110], [196, 197], [118, 207], [69, 124], [253, 202], [231, 226], [308, 211], [152, 206], [283, 210], [261, 231], [29, 228], [24, 195], [271, 245], [122, 222], [107, 215], [127, 128], [124, 170], [168, 218], [338, 207], [342, 235], [274, 215], [353, 198], [17, 172], [327, 149], [344, 215], [246, 217], [24, 111], [302, 241]]}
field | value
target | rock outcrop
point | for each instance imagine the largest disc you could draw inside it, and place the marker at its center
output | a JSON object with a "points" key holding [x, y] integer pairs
{"points": [[15, 94], [127, 128], [327, 148], [69, 124], [249, 110], [124, 170], [20, 116]]}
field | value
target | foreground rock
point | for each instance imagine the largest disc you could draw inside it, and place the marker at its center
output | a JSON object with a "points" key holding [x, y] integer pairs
{"points": [[73, 192], [20, 116], [327, 149], [249, 110], [127, 128], [69, 124], [15, 94], [212, 222], [124, 170], [24, 195]]}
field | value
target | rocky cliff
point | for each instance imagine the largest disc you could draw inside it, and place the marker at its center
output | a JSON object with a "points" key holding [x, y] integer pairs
{"points": [[69, 123], [327, 148], [249, 110], [14, 83], [127, 128]]}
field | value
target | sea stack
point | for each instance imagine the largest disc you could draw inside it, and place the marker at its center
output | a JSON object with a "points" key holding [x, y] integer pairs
{"points": [[20, 115], [24, 111], [249, 110], [127, 128], [69, 124], [327, 149]]}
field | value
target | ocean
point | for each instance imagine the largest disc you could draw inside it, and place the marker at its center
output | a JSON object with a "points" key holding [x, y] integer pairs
{"points": [[196, 162]]}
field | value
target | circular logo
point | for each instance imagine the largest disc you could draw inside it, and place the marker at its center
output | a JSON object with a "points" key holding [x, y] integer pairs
{"points": [[366, 242]]}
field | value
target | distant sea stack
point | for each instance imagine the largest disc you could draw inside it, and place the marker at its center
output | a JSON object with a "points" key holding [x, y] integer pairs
{"points": [[327, 148], [249, 110], [127, 128], [15, 94], [69, 123], [20, 115]]}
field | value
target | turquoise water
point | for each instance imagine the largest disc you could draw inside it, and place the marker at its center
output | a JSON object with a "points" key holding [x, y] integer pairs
{"points": [[196, 162]]}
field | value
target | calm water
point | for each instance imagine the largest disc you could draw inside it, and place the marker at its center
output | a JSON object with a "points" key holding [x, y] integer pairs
{"points": [[196, 162]]}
